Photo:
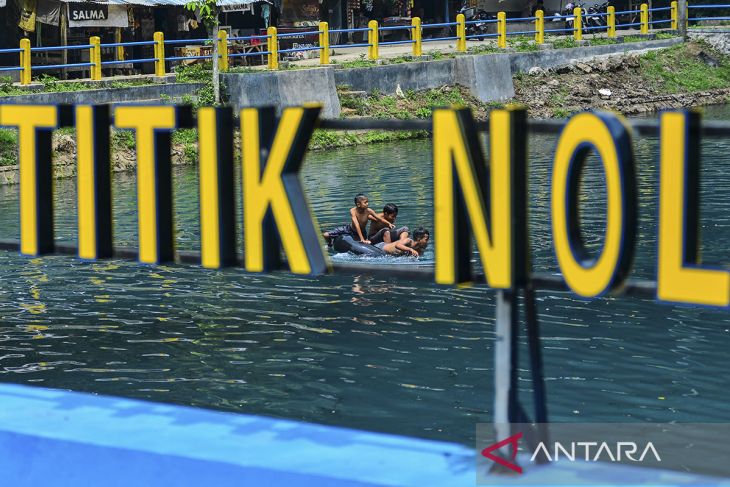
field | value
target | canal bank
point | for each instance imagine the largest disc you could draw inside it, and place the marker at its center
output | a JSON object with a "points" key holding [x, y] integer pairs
{"points": [[684, 76]]}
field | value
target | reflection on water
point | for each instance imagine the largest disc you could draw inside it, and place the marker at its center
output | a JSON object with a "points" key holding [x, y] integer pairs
{"points": [[379, 354]]}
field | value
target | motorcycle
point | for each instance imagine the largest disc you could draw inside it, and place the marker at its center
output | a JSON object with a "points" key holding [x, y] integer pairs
{"points": [[595, 16], [569, 16], [590, 17], [477, 21], [593, 19]]}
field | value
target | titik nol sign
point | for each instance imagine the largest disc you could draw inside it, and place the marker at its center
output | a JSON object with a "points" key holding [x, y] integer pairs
{"points": [[476, 198]]}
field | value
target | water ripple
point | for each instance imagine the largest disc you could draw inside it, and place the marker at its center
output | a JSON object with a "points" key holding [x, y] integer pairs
{"points": [[379, 354]]}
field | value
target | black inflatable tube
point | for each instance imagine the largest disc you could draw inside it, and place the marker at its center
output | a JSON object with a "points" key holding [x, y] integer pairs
{"points": [[348, 244]]}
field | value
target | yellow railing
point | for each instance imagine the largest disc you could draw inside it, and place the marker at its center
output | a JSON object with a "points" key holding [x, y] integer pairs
{"points": [[461, 26]]}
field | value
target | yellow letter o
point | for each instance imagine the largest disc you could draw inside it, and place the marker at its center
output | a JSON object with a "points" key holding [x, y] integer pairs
{"points": [[606, 134]]}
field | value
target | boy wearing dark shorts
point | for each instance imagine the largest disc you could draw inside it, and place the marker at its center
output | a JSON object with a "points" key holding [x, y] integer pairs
{"points": [[360, 215], [415, 246], [379, 232]]}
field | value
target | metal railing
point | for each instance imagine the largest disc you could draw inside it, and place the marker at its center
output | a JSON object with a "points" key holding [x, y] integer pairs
{"points": [[577, 24]]}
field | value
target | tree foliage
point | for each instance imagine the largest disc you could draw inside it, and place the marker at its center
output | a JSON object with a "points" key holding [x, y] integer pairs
{"points": [[207, 10]]}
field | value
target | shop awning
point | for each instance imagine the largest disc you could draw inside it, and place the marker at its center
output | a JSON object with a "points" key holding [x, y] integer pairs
{"points": [[164, 3]]}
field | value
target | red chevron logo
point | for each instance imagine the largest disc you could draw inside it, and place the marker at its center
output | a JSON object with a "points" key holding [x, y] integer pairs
{"points": [[512, 440]]}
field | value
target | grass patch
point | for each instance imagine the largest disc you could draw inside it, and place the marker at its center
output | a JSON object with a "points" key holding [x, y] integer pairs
{"points": [[561, 112], [411, 105], [522, 44], [681, 68], [602, 41], [128, 84], [8, 147], [188, 138], [7, 88], [634, 39], [198, 73], [194, 73], [483, 49], [361, 62], [124, 139], [560, 98], [565, 43], [51, 84], [329, 139], [242, 69], [439, 55]]}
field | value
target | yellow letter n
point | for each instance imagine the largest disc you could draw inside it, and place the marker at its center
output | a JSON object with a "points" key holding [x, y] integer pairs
{"points": [[473, 200]]}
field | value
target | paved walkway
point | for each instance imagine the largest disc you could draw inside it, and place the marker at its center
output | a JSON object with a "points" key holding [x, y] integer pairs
{"points": [[342, 55]]}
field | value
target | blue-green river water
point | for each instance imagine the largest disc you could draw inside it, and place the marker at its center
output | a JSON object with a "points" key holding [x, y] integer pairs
{"points": [[376, 354]]}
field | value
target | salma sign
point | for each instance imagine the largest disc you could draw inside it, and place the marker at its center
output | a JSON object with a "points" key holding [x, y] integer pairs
{"points": [[472, 199]]}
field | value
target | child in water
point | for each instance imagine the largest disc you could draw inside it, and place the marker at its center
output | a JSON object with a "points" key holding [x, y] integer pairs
{"points": [[360, 215], [379, 232], [415, 246]]}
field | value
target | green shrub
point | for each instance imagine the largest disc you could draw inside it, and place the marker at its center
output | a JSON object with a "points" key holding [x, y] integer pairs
{"points": [[8, 147], [679, 69], [565, 43]]}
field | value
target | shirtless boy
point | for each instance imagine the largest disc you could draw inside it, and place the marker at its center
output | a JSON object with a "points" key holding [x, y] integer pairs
{"points": [[379, 232], [360, 215], [415, 246]]}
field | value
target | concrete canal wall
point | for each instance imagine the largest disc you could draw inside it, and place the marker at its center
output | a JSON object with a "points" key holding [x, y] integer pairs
{"points": [[282, 88], [150, 93], [488, 76]]}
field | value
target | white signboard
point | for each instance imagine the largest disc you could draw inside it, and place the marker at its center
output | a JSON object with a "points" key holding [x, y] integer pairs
{"points": [[239, 7], [88, 14]]}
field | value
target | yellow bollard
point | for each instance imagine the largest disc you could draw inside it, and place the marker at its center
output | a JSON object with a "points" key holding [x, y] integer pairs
{"points": [[373, 35], [118, 40], [324, 43], [95, 57], [674, 15], [501, 30], [223, 49], [159, 39], [578, 24], [644, 16], [611, 22], [539, 27], [416, 36], [25, 74], [272, 45], [461, 33]]}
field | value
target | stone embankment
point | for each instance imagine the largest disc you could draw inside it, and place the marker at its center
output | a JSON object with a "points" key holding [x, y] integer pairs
{"points": [[718, 40], [631, 84]]}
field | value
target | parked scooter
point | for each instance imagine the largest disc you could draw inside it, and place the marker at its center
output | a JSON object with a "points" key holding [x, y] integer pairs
{"points": [[592, 19], [568, 14], [479, 19]]}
